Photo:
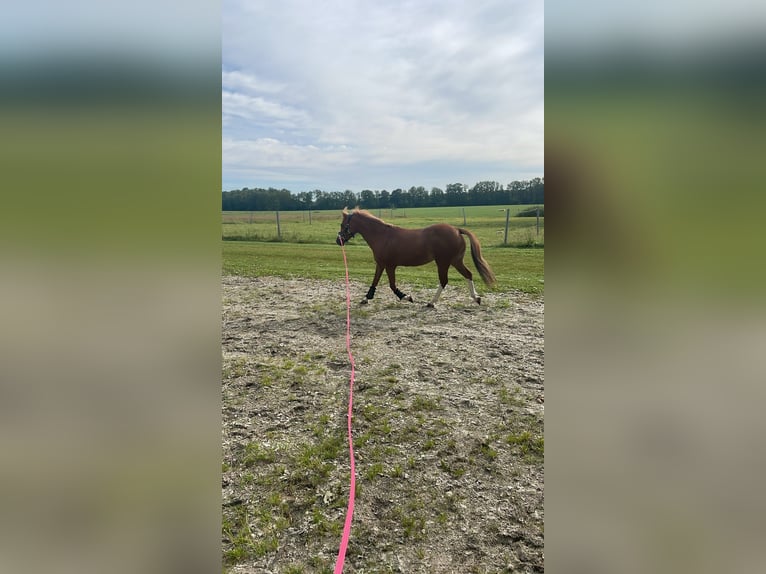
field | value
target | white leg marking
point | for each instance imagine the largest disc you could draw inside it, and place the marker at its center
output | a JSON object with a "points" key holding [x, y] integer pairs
{"points": [[474, 294], [436, 297]]}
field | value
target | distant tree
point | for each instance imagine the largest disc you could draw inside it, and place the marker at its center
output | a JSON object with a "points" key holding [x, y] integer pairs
{"points": [[397, 199], [418, 197], [367, 199], [437, 197], [350, 199], [304, 199], [456, 194], [527, 191], [485, 193]]}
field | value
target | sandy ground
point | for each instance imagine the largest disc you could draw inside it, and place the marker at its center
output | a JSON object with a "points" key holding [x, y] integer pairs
{"points": [[447, 426]]}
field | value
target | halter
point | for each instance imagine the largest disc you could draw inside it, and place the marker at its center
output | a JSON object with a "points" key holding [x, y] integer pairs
{"points": [[345, 233]]}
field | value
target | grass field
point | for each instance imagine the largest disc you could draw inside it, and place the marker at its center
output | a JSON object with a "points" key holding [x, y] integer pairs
{"points": [[488, 222], [251, 247]]}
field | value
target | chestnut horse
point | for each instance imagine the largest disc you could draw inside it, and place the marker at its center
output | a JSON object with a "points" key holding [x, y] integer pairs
{"points": [[393, 246]]}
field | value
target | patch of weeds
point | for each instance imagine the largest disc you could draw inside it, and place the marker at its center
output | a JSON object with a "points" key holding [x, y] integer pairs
{"points": [[374, 471], [429, 444], [267, 381], [294, 569], [412, 520], [384, 428], [235, 368], [274, 499], [454, 469], [411, 430], [330, 448], [320, 565], [487, 451], [320, 428], [315, 461], [413, 526], [421, 403], [530, 447], [510, 398], [239, 542], [322, 524], [370, 412], [255, 453], [397, 471], [361, 313], [377, 453], [363, 439], [391, 369]]}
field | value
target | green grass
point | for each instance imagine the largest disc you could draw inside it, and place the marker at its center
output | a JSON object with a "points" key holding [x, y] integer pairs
{"points": [[521, 269], [251, 247], [487, 222], [530, 446]]}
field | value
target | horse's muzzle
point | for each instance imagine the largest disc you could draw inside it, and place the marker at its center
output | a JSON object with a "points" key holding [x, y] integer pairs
{"points": [[343, 238]]}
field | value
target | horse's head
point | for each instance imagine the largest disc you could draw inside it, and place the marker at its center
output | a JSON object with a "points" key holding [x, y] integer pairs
{"points": [[345, 232]]}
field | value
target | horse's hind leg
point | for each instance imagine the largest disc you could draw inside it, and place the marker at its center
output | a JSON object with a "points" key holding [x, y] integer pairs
{"points": [[391, 272], [465, 272], [371, 291], [443, 277]]}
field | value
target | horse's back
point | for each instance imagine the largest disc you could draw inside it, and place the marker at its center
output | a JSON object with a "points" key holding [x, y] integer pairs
{"points": [[443, 232], [445, 241]]}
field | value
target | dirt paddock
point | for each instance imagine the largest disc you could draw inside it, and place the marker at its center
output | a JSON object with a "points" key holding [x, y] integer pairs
{"points": [[447, 426]]}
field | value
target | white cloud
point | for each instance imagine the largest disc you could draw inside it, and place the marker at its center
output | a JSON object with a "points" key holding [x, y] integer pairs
{"points": [[282, 161], [400, 84], [258, 109], [240, 82]]}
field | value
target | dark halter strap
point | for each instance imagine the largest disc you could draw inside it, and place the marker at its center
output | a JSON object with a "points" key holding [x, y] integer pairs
{"points": [[348, 225]]}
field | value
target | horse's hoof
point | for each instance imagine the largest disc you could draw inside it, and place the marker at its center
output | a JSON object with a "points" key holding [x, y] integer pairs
{"points": [[363, 302], [410, 299], [478, 300], [430, 305]]}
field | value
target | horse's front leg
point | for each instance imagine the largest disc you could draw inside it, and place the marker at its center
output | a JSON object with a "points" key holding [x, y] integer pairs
{"points": [[371, 291], [391, 272]]}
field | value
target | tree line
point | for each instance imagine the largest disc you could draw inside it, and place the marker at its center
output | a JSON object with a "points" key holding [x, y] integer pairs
{"points": [[455, 194]]}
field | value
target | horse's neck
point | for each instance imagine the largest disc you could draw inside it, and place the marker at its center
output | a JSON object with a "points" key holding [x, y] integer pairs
{"points": [[371, 229]]}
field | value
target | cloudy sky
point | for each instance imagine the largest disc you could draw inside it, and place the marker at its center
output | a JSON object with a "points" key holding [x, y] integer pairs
{"points": [[344, 94]]}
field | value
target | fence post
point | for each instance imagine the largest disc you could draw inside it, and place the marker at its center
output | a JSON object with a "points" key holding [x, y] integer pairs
{"points": [[507, 222], [464, 223], [279, 231], [309, 216]]}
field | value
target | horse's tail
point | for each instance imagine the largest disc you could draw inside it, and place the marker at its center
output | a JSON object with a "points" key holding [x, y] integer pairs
{"points": [[481, 265]]}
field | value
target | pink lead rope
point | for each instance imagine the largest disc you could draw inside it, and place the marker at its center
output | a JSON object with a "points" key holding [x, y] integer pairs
{"points": [[350, 509]]}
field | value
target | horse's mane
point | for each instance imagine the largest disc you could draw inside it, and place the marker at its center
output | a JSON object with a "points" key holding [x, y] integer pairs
{"points": [[369, 215]]}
